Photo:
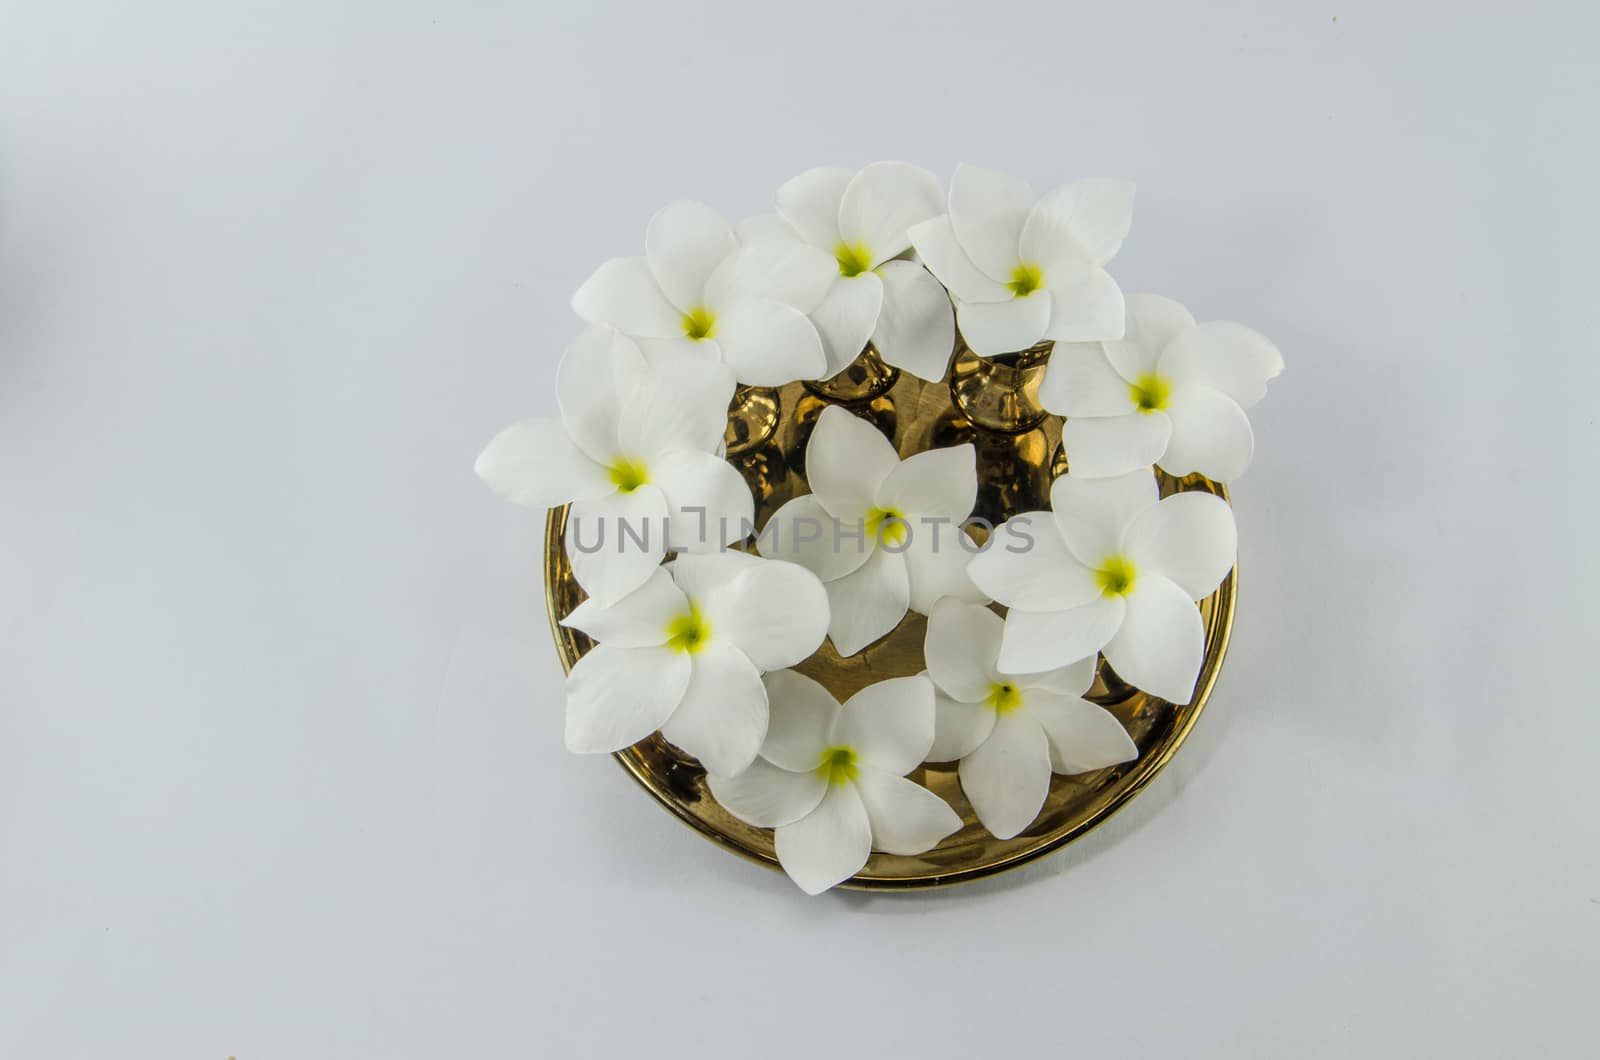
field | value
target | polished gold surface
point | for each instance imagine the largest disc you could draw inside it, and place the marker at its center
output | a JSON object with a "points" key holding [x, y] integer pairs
{"points": [[1015, 470], [1000, 393], [864, 378], [752, 418]]}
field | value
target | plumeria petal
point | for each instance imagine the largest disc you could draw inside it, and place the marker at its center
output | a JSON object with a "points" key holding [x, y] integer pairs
{"points": [[846, 460], [916, 328], [1027, 565], [684, 406], [936, 564], [1007, 778], [1083, 737], [881, 202], [828, 845], [958, 728], [534, 463], [1188, 537], [624, 293], [769, 344], [792, 273], [618, 696], [1036, 641], [847, 317], [1210, 434], [906, 817], [987, 210], [709, 505], [1079, 381], [668, 354], [961, 647], [802, 721], [941, 483], [1085, 306], [889, 724], [684, 243], [810, 202], [1102, 213], [868, 602], [766, 226], [1046, 240], [722, 717], [628, 529], [596, 373], [774, 612], [803, 532], [994, 328], [1072, 679], [1103, 446], [1152, 322], [1091, 513], [937, 245], [1161, 641], [638, 620], [765, 796], [1225, 356], [702, 575]]}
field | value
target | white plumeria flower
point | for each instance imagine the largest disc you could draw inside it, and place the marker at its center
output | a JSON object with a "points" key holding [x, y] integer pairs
{"points": [[698, 292], [860, 220], [1170, 392], [1011, 731], [831, 779], [1024, 268], [635, 452], [883, 534], [1111, 568], [684, 654]]}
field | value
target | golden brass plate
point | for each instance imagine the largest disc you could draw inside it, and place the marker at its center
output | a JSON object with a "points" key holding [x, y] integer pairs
{"points": [[1014, 473]]}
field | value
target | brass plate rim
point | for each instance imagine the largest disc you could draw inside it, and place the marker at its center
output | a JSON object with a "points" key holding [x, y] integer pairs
{"points": [[1143, 773]]}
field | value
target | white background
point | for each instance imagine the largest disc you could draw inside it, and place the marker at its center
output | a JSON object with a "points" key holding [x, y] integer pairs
{"points": [[281, 772]]}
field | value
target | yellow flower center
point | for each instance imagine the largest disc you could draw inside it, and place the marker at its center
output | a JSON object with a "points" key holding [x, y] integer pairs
{"points": [[838, 765], [700, 323], [1026, 279], [1151, 392], [854, 259], [1004, 697], [628, 475], [688, 632], [888, 526], [1116, 576]]}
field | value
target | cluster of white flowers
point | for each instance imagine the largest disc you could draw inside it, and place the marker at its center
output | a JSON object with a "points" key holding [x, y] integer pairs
{"points": [[699, 648]]}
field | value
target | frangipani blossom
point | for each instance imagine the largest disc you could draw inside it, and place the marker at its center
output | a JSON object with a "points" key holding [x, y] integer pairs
{"points": [[1112, 568], [1170, 392], [699, 293], [684, 653], [636, 446], [883, 534], [1024, 268], [860, 220], [1011, 731], [831, 779]]}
